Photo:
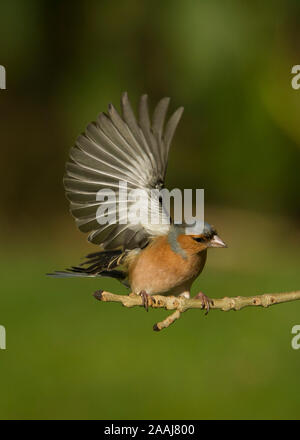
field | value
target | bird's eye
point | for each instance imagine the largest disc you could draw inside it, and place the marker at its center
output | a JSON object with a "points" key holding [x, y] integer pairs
{"points": [[199, 239]]}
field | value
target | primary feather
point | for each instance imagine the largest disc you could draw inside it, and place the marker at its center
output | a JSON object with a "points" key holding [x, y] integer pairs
{"points": [[120, 148]]}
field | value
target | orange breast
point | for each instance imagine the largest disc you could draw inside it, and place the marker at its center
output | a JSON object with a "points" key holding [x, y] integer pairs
{"points": [[158, 269]]}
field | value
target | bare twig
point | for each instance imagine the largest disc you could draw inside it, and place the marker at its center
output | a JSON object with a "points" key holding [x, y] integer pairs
{"points": [[181, 304]]}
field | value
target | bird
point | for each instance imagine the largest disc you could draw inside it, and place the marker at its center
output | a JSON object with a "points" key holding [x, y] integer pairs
{"points": [[150, 259]]}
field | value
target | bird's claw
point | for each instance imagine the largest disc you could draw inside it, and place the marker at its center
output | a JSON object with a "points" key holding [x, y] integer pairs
{"points": [[145, 297], [206, 301]]}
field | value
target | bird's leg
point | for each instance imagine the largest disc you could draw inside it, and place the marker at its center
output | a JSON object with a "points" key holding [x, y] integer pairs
{"points": [[145, 297], [206, 301]]}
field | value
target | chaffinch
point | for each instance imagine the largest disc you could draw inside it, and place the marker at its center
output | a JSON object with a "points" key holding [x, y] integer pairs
{"points": [[163, 258]]}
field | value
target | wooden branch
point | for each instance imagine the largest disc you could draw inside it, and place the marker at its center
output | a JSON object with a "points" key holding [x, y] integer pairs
{"points": [[181, 304]]}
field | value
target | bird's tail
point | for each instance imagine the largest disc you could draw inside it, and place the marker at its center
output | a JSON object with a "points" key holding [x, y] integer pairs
{"points": [[102, 264]]}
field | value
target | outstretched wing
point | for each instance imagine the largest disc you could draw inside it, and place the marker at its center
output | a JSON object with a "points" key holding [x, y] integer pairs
{"points": [[120, 149]]}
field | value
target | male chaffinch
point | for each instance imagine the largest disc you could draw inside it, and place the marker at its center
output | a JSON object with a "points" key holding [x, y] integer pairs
{"points": [[149, 258]]}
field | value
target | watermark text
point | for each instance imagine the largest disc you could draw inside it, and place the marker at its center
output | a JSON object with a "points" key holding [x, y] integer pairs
{"points": [[296, 339], [296, 79], [2, 78], [2, 338]]}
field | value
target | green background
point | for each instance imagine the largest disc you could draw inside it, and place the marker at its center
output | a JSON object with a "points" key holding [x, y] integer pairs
{"points": [[229, 64]]}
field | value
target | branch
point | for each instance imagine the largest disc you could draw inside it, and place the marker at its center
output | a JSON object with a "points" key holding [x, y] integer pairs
{"points": [[181, 304]]}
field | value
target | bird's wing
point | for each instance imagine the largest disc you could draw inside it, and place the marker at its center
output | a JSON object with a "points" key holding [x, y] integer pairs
{"points": [[115, 149]]}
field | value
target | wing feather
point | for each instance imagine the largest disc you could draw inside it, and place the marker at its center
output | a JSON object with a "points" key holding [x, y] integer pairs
{"points": [[120, 149]]}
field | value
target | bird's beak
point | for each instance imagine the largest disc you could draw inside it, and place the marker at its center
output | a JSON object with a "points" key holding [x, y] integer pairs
{"points": [[217, 242]]}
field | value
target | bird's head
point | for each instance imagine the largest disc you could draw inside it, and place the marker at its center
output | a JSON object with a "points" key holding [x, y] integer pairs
{"points": [[207, 238]]}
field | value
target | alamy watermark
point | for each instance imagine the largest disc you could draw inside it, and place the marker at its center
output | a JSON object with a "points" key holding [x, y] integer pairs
{"points": [[149, 207], [296, 79], [2, 338], [296, 339], [2, 78]]}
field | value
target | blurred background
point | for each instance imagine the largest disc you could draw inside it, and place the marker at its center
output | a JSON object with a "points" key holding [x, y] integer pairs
{"points": [[229, 64]]}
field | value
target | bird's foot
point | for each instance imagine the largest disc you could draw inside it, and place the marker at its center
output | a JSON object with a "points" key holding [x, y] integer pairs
{"points": [[146, 299], [206, 301]]}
